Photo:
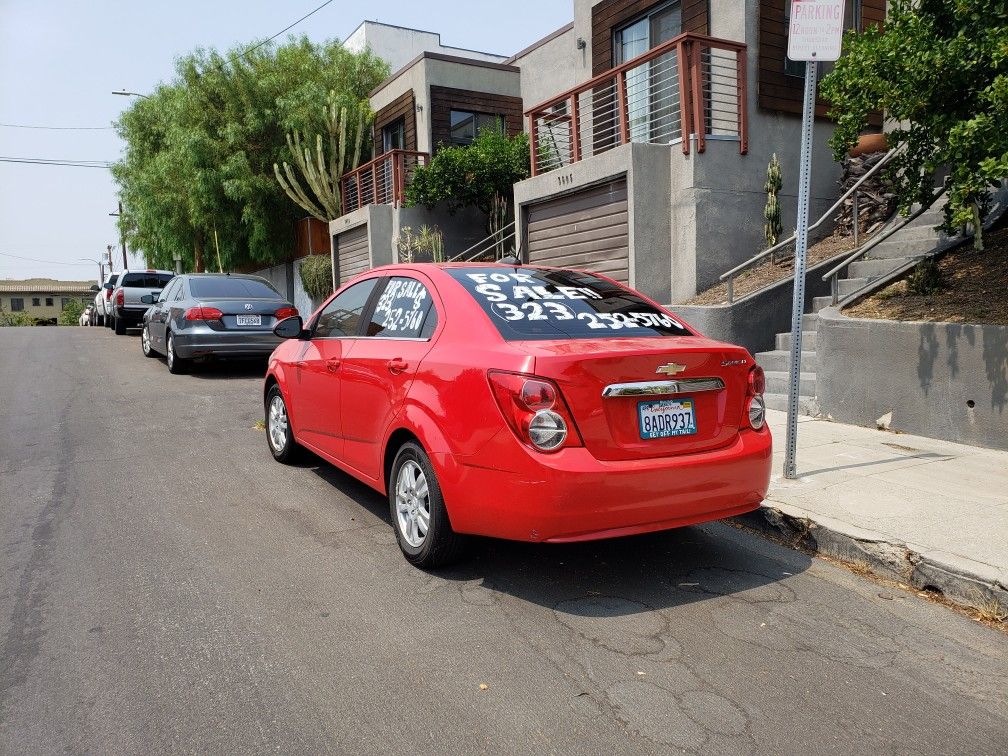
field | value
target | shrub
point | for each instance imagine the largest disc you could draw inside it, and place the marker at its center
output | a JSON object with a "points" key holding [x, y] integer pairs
{"points": [[427, 246], [316, 276]]}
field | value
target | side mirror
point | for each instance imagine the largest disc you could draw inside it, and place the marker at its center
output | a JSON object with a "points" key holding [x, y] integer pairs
{"points": [[95, 287], [149, 298], [289, 328]]}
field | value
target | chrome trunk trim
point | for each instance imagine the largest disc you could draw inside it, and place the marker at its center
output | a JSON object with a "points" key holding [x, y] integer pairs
{"points": [[663, 388]]}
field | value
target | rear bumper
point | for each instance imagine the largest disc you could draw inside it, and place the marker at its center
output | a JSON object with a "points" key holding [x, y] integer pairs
{"points": [[221, 344], [571, 496], [129, 315]]}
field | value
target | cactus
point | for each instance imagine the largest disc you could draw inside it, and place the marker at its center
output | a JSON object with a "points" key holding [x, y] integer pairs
{"points": [[321, 193], [771, 213]]}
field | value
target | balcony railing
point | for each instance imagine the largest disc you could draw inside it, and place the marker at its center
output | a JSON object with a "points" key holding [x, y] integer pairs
{"points": [[381, 181], [690, 85]]}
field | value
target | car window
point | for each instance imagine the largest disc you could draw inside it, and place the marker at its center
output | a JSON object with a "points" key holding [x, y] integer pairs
{"points": [[525, 303], [401, 309], [146, 280], [230, 286], [168, 291], [342, 316]]}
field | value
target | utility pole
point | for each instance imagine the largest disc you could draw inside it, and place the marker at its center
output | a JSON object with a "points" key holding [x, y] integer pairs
{"points": [[122, 237], [111, 266]]}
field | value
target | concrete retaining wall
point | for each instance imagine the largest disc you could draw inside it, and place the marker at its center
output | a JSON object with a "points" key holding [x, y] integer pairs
{"points": [[942, 380], [286, 278], [755, 320]]}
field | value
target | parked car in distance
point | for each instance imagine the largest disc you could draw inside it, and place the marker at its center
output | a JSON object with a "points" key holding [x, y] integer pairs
{"points": [[518, 402], [219, 315], [102, 300], [126, 305]]}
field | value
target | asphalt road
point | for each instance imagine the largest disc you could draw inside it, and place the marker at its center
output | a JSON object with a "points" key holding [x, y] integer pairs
{"points": [[166, 586]]}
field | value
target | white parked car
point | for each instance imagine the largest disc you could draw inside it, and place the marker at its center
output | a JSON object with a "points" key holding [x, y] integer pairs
{"points": [[102, 301], [126, 310]]}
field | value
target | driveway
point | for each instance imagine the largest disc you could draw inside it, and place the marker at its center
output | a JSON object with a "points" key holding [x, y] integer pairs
{"points": [[164, 585]]}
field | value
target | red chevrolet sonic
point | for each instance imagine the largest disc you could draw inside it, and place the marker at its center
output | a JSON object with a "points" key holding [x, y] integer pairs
{"points": [[520, 402]]}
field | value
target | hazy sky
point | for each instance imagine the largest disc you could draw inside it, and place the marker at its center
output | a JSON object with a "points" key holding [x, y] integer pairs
{"points": [[60, 61]]}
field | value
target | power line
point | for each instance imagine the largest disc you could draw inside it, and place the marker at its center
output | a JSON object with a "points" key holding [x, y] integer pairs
{"points": [[287, 29], [35, 259], [56, 128], [57, 161]]}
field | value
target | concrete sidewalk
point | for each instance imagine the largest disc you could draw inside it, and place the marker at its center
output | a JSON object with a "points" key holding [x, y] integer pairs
{"points": [[929, 513]]}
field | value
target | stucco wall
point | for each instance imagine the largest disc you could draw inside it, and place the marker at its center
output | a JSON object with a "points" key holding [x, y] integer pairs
{"points": [[398, 45], [926, 374], [549, 69]]}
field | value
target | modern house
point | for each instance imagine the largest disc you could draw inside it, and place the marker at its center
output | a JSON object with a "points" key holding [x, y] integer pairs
{"points": [[42, 298], [651, 125]]}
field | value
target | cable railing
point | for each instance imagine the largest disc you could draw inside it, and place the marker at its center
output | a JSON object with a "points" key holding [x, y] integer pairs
{"points": [[491, 247], [691, 87], [730, 275], [381, 181]]}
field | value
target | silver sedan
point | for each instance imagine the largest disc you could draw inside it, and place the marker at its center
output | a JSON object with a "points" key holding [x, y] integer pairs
{"points": [[213, 315]]}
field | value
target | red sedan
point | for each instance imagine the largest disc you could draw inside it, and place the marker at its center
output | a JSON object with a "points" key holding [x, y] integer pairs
{"points": [[519, 402]]}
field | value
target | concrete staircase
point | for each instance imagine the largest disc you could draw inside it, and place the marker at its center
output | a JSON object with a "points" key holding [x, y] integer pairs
{"points": [[915, 239]]}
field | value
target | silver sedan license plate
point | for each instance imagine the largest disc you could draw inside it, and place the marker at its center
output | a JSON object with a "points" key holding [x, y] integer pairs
{"points": [[249, 320]]}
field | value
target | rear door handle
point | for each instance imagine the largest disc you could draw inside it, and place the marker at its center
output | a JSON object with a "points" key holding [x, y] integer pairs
{"points": [[397, 365], [332, 365]]}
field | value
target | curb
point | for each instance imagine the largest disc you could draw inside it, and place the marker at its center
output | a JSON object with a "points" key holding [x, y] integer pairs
{"points": [[960, 580]]}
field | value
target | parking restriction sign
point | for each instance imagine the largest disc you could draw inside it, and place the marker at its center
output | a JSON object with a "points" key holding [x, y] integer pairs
{"points": [[816, 29]]}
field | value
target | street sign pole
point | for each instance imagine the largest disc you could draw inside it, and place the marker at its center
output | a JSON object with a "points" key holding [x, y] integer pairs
{"points": [[801, 244]]}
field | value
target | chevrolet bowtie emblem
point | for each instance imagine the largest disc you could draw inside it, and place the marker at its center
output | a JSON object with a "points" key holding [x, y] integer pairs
{"points": [[670, 369]]}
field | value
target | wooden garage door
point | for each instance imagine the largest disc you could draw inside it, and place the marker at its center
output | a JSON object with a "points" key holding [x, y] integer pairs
{"points": [[587, 230], [352, 248]]}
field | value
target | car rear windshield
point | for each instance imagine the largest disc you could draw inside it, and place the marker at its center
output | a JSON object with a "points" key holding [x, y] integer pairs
{"points": [[146, 280], [525, 303], [224, 286]]}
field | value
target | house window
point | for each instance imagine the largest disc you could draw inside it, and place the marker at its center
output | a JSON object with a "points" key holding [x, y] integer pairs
{"points": [[16, 304], [64, 301], [36, 301], [394, 136], [651, 91], [465, 125], [852, 20], [48, 301]]}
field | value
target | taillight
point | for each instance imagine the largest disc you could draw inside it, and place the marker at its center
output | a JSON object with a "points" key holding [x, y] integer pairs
{"points": [[755, 406], [108, 293], [120, 298], [535, 410], [286, 312], [203, 313]]}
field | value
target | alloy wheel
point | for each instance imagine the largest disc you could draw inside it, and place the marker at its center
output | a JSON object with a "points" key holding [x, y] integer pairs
{"points": [[278, 423], [412, 504], [145, 340]]}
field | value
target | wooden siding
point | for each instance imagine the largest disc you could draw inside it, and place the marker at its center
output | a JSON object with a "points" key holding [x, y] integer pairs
{"points": [[445, 99], [352, 253], [609, 15], [404, 107], [587, 230], [777, 90]]}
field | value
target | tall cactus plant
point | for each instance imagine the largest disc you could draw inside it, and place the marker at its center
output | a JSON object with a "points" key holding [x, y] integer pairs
{"points": [[320, 192], [771, 213]]}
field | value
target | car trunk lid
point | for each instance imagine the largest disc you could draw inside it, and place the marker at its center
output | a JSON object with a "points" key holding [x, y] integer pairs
{"points": [[609, 383]]}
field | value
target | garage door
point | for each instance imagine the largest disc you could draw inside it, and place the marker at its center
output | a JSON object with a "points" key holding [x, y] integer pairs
{"points": [[352, 248], [586, 230]]}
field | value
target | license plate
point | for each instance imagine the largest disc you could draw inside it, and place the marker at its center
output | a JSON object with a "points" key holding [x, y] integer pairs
{"points": [[666, 418], [250, 320]]}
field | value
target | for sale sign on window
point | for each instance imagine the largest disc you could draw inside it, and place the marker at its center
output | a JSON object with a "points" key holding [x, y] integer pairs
{"points": [[816, 29]]}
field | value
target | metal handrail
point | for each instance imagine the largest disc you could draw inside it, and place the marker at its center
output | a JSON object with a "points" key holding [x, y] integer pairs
{"points": [[731, 274], [395, 174], [497, 237], [833, 274]]}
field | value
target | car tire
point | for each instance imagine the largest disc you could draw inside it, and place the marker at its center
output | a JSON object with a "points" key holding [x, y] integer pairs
{"points": [[415, 500], [176, 365], [279, 435], [119, 325], [108, 322], [145, 343]]}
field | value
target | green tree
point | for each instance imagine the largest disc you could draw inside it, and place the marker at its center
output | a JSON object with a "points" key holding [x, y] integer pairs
{"points": [[479, 175], [71, 312], [200, 150], [939, 72]]}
